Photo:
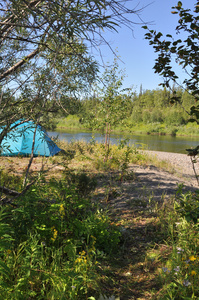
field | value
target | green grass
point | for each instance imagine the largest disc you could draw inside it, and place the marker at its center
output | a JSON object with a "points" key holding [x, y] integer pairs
{"points": [[70, 122], [50, 242]]}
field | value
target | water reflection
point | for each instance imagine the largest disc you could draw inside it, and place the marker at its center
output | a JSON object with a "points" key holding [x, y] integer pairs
{"points": [[150, 142]]}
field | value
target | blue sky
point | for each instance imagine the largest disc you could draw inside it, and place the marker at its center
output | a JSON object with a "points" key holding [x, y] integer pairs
{"points": [[137, 55]]}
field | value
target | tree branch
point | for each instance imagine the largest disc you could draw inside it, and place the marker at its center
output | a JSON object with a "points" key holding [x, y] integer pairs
{"points": [[19, 64], [16, 194], [9, 192]]}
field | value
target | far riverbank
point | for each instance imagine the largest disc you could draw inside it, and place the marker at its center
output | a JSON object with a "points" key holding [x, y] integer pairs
{"points": [[72, 122]]}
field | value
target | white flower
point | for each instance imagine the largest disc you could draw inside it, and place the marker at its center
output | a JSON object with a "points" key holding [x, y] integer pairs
{"points": [[177, 269], [165, 270], [187, 261], [179, 250], [186, 282]]}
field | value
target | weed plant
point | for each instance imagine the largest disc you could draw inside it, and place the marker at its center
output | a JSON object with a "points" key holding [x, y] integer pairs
{"points": [[180, 270]]}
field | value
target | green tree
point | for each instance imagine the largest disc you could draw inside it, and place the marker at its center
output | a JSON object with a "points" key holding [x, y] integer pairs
{"points": [[161, 98], [114, 105], [184, 50], [44, 50], [44, 59]]}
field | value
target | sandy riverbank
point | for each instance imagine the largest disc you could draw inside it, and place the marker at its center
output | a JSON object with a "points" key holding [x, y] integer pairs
{"points": [[181, 164]]}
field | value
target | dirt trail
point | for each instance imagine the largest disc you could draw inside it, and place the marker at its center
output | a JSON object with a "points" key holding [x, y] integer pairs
{"points": [[133, 275]]}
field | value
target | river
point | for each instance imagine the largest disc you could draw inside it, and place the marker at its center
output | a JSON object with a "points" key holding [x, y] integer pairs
{"points": [[149, 142]]}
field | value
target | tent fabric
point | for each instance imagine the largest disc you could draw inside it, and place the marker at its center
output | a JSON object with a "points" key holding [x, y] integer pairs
{"points": [[19, 141]]}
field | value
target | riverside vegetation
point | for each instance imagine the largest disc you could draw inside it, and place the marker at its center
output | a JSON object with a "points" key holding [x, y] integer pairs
{"points": [[150, 112], [63, 240]]}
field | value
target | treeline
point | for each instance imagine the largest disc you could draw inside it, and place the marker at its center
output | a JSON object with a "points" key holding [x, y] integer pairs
{"points": [[150, 106], [150, 111], [157, 106]]}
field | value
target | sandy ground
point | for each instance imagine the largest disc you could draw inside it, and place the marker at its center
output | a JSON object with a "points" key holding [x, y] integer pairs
{"points": [[181, 164], [155, 183]]}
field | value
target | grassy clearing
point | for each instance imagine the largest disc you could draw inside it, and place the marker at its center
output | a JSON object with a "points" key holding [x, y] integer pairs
{"points": [[74, 236]]}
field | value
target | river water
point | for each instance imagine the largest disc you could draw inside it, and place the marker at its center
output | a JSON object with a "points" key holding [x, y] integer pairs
{"points": [[148, 142]]}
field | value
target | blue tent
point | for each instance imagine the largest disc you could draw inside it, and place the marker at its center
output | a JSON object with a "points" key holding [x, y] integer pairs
{"points": [[19, 141]]}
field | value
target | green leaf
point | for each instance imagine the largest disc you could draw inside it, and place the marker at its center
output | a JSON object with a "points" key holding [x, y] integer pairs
{"points": [[179, 4], [4, 269]]}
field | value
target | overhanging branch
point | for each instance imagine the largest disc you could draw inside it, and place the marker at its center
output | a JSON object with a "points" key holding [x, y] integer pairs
{"points": [[19, 64]]}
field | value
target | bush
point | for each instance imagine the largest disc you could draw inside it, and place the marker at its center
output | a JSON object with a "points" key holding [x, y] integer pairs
{"points": [[136, 116], [146, 116]]}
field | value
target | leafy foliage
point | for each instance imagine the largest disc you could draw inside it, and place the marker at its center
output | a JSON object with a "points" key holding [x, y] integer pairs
{"points": [[180, 269], [184, 51], [44, 59], [112, 106], [50, 242]]}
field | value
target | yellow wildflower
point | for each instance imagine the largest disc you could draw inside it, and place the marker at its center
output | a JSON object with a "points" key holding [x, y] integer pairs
{"points": [[193, 273], [61, 210], [81, 260], [78, 260], [55, 232], [192, 258]]}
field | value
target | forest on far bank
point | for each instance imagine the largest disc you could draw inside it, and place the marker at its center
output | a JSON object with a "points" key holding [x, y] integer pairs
{"points": [[150, 111]]}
